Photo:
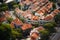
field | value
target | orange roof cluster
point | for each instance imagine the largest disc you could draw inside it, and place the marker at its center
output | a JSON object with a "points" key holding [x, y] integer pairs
{"points": [[56, 11], [50, 16], [38, 4], [45, 8], [18, 22]]}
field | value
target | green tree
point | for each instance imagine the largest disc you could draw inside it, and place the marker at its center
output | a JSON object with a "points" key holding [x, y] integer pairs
{"points": [[22, 19], [54, 6], [36, 24], [50, 27], [16, 33], [44, 34], [57, 18], [54, 23], [9, 20], [14, 4], [3, 7], [5, 31]]}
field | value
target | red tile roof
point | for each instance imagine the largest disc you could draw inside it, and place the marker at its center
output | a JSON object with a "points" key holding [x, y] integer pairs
{"points": [[49, 17], [55, 12], [34, 18], [40, 28], [26, 26], [7, 14], [34, 35], [45, 8], [2, 19], [16, 21]]}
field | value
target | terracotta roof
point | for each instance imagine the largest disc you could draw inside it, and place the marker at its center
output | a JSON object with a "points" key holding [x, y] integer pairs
{"points": [[34, 18], [7, 14], [33, 0], [16, 21], [36, 8], [40, 12], [55, 12], [2, 19], [45, 8], [49, 5], [40, 28], [26, 26], [27, 12], [41, 1], [34, 35], [28, 2], [49, 17]]}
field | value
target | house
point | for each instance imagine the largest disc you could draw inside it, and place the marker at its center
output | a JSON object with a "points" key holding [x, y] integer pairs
{"points": [[55, 12], [49, 5], [18, 10], [37, 29], [35, 32], [7, 14], [34, 18], [26, 26], [16, 23], [36, 5], [51, 16], [27, 2], [27, 14], [2, 19], [45, 8], [4, 16], [48, 17], [40, 12]]}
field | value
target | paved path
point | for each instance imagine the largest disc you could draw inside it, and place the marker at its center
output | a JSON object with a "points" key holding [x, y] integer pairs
{"points": [[57, 35]]}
